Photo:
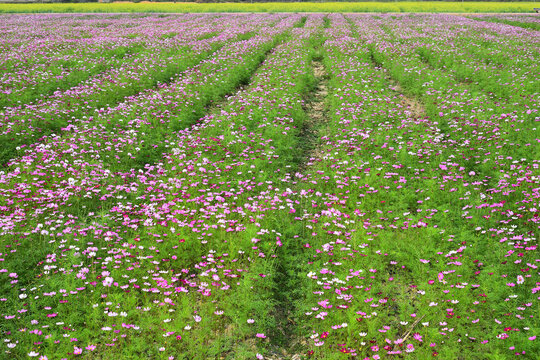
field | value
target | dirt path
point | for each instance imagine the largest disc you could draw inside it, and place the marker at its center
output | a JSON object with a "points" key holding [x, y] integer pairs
{"points": [[415, 108], [316, 118]]}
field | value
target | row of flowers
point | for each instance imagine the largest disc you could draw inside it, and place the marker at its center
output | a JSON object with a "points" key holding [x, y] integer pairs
{"points": [[421, 234], [42, 56], [23, 125], [173, 265]]}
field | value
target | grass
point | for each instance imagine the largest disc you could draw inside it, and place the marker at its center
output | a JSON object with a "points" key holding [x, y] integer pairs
{"points": [[325, 7]]}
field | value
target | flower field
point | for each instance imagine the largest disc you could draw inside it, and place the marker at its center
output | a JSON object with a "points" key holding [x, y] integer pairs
{"points": [[233, 7], [269, 186]]}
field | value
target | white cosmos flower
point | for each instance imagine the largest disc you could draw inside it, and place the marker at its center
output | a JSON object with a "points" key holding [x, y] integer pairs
{"points": [[108, 281]]}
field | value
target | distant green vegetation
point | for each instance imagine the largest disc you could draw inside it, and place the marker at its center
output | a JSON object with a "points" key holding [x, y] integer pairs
{"points": [[424, 6]]}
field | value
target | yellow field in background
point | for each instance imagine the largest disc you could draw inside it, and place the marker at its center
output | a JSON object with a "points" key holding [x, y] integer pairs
{"points": [[126, 7]]}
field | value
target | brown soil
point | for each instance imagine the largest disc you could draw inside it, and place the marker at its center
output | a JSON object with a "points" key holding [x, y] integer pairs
{"points": [[414, 107], [316, 113]]}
